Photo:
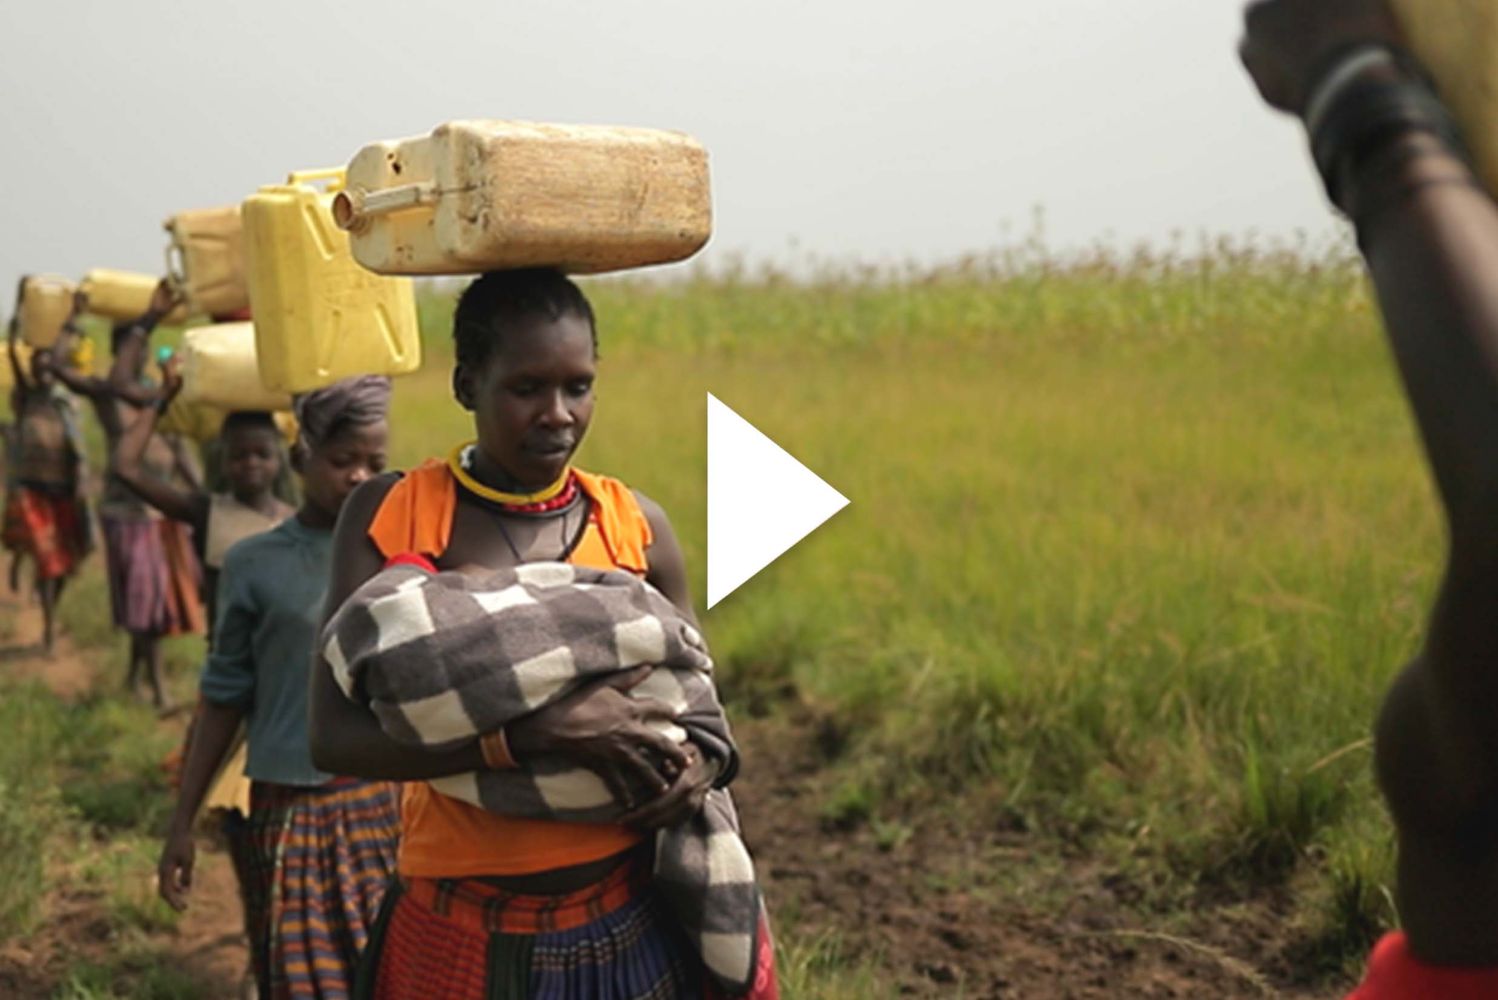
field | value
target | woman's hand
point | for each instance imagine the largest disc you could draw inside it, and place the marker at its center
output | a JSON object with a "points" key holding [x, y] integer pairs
{"points": [[681, 801], [164, 297], [1287, 42], [174, 870], [600, 727], [171, 379]]}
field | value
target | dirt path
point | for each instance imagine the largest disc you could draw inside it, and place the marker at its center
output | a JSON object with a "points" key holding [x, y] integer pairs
{"points": [[208, 943], [943, 909]]}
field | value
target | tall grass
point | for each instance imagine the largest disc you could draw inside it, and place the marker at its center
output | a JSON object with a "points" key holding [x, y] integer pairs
{"points": [[1137, 540]]}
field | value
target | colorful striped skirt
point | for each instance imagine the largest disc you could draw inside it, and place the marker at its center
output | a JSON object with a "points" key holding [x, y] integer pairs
{"points": [[153, 576], [315, 866], [467, 939]]}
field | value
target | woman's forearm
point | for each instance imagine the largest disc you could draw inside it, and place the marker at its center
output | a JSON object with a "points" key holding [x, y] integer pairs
{"points": [[347, 739], [1432, 253], [127, 463], [130, 358], [213, 732]]}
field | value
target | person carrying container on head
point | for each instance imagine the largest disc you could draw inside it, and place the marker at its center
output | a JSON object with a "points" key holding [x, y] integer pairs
{"points": [[495, 905], [153, 574], [1391, 159], [321, 847], [45, 515], [250, 452]]}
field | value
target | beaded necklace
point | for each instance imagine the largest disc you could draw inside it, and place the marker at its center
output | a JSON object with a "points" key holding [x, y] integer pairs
{"points": [[560, 497], [555, 497]]}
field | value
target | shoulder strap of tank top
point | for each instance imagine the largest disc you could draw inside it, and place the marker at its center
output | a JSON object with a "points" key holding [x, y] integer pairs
{"points": [[621, 523], [417, 513]]}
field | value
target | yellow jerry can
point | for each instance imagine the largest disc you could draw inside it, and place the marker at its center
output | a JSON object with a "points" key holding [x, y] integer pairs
{"points": [[319, 316], [7, 377], [219, 370], [485, 195], [206, 259], [198, 421], [45, 303], [121, 295], [1457, 41]]}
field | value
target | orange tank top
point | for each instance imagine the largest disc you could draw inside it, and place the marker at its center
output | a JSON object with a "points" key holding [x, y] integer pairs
{"points": [[442, 837]]}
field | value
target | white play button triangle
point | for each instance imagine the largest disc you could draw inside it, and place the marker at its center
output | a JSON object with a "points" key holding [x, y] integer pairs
{"points": [[760, 500]]}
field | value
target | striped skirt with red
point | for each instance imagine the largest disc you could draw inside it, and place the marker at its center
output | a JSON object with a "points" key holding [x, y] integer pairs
{"points": [[469, 939], [317, 861]]}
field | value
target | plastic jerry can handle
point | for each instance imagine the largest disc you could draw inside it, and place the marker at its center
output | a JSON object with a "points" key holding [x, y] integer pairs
{"points": [[333, 175], [176, 271]]}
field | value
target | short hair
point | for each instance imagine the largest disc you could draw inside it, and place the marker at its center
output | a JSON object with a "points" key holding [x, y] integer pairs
{"points": [[256, 420], [500, 299]]}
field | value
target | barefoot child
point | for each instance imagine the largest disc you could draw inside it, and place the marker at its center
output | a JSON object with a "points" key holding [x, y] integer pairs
{"points": [[45, 517], [154, 577]]}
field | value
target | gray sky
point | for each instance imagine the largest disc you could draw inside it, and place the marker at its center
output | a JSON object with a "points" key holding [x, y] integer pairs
{"points": [[865, 130]]}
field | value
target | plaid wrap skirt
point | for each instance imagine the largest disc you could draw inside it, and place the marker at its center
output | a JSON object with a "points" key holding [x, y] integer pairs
{"points": [[314, 864]]}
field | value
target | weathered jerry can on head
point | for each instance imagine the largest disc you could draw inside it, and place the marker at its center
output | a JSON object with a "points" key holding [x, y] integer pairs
{"points": [[45, 301], [319, 316], [219, 370], [122, 295], [1457, 41], [487, 195], [206, 259]]}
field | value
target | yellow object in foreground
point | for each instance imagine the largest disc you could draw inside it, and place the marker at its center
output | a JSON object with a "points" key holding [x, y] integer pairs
{"points": [[206, 258], [319, 316], [219, 370], [1457, 41], [123, 294], [485, 195], [7, 377], [45, 305], [200, 422]]}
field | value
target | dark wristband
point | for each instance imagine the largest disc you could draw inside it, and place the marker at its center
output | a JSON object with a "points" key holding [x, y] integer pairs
{"points": [[1369, 116]]}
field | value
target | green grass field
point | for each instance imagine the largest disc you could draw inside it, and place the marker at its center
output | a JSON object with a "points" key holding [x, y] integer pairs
{"points": [[1134, 544]]}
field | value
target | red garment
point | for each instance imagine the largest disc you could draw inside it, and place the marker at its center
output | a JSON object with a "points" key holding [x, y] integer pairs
{"points": [[1395, 974], [47, 527]]}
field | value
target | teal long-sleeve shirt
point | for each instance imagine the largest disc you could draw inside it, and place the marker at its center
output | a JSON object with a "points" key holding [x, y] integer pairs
{"points": [[270, 596]]}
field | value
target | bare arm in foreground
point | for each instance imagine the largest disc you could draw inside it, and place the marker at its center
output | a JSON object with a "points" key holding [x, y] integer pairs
{"points": [[1430, 237]]}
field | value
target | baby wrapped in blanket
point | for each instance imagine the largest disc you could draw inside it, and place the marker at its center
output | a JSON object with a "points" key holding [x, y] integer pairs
{"points": [[442, 658]]}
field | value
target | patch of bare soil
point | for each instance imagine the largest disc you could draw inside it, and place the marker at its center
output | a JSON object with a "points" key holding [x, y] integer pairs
{"points": [[21, 653], [944, 907]]}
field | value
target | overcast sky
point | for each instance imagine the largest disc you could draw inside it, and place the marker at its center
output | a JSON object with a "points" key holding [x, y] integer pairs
{"points": [[865, 130]]}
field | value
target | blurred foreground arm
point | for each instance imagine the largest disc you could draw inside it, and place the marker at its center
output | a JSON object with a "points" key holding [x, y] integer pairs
{"points": [[1430, 237]]}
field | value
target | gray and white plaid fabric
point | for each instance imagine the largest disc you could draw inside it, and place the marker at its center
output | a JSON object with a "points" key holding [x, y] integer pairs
{"points": [[443, 658]]}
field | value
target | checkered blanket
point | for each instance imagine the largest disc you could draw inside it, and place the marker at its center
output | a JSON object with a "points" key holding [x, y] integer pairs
{"points": [[442, 658]]}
